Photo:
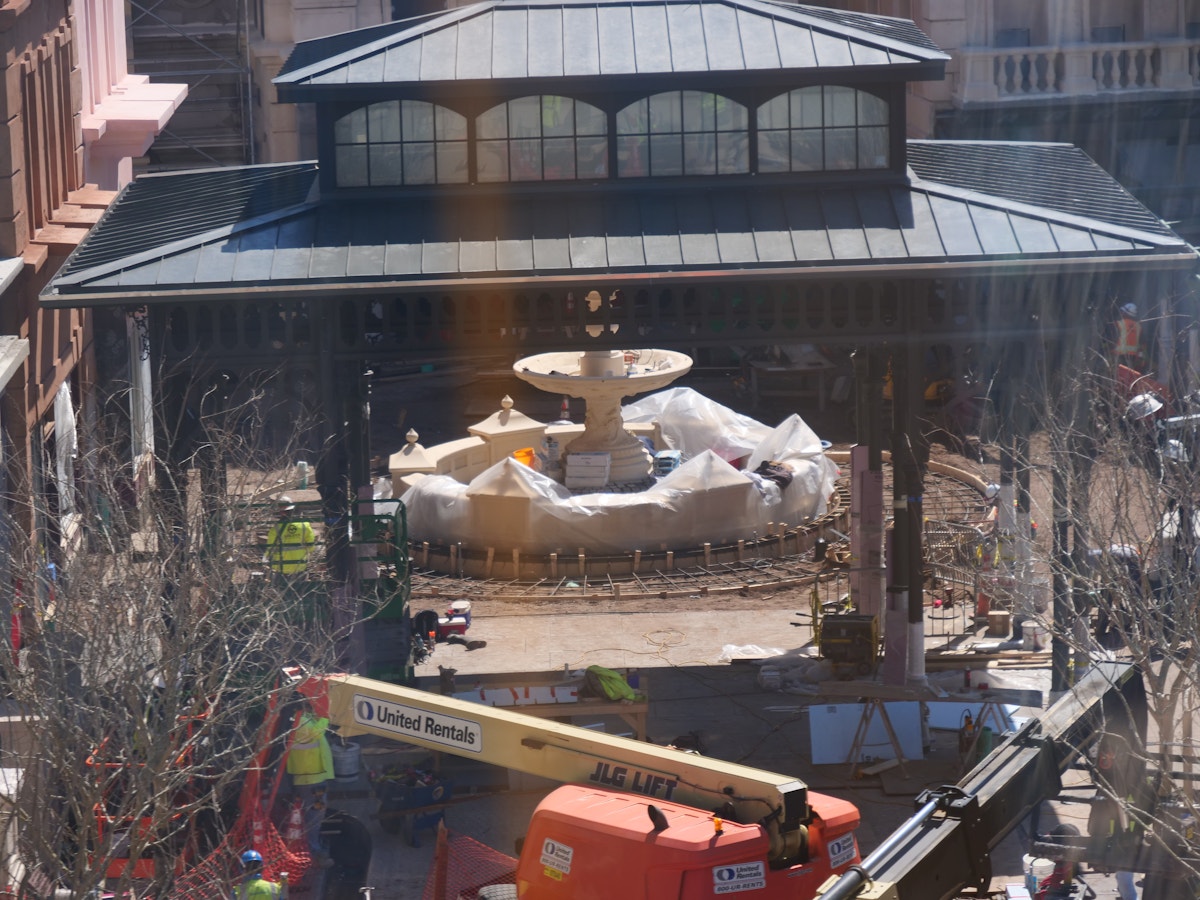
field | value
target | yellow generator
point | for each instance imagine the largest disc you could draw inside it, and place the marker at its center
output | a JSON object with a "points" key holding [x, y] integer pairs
{"points": [[851, 643]]}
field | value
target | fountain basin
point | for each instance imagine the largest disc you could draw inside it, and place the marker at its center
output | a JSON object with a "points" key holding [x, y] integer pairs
{"points": [[510, 516]]}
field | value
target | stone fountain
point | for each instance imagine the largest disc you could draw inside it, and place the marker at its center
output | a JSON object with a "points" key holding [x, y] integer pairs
{"points": [[476, 506], [602, 378]]}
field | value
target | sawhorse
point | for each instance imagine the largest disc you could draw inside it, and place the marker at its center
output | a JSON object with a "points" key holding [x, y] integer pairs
{"points": [[870, 708]]}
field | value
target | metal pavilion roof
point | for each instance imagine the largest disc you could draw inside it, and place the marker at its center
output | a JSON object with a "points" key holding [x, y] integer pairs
{"points": [[528, 39], [152, 244]]}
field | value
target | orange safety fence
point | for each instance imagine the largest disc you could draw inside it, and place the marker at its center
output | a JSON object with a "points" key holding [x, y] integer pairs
{"points": [[463, 865], [217, 873]]}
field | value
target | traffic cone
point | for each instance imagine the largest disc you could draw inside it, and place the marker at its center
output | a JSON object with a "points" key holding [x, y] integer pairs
{"points": [[294, 833]]}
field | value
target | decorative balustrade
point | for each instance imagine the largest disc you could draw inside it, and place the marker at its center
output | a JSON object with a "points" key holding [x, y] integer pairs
{"points": [[1022, 73]]}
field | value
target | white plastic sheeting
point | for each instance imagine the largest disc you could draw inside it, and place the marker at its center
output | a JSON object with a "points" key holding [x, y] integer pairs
{"points": [[513, 507]]}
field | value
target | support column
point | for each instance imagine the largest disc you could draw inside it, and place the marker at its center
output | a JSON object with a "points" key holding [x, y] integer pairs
{"points": [[898, 628], [912, 442], [333, 467], [1060, 648], [866, 485]]}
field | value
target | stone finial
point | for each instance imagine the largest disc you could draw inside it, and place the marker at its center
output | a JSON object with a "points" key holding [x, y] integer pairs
{"points": [[506, 403], [412, 436]]}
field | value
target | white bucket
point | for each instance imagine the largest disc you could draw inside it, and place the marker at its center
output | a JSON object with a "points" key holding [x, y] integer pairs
{"points": [[1036, 868], [346, 758], [1034, 635]]}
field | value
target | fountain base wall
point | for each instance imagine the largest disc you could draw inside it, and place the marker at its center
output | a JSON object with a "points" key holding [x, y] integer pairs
{"points": [[513, 565]]}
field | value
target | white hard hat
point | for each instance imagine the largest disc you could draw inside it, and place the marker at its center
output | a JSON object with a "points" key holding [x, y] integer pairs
{"points": [[285, 502], [991, 491], [1174, 451], [1129, 309], [1143, 405]]}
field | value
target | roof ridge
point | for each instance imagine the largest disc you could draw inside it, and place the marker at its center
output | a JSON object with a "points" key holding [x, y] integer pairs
{"points": [[304, 63]]}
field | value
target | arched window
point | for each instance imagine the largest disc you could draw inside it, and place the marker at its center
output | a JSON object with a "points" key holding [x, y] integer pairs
{"points": [[682, 133], [398, 142], [823, 128], [541, 138]]}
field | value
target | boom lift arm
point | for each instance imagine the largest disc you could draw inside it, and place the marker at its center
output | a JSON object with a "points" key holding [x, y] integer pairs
{"points": [[946, 846], [500, 736]]}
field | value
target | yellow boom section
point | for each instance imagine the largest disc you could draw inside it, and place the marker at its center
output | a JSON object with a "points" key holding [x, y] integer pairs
{"points": [[567, 753]]}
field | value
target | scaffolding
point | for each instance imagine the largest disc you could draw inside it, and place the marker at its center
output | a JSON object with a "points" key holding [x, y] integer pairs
{"points": [[205, 44]]}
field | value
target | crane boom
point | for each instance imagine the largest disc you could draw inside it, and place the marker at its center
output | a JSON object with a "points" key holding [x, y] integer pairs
{"points": [[946, 845], [567, 753]]}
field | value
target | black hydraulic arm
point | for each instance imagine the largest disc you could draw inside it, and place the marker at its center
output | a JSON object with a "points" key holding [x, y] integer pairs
{"points": [[946, 846]]}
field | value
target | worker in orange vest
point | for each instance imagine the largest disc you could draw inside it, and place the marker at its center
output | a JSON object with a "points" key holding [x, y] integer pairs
{"points": [[1127, 342]]}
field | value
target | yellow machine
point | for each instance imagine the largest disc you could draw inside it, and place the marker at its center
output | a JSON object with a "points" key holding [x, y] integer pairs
{"points": [[700, 820], [635, 820]]}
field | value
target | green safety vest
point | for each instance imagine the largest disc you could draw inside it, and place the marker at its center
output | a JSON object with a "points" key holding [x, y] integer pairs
{"points": [[288, 546], [310, 759], [258, 888]]}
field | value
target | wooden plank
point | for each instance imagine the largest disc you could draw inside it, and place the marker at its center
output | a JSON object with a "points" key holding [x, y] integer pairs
{"points": [[890, 692], [879, 767]]}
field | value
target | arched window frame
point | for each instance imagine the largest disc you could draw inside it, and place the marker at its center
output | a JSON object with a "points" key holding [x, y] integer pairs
{"points": [[541, 137], [400, 142], [823, 128], [683, 133]]}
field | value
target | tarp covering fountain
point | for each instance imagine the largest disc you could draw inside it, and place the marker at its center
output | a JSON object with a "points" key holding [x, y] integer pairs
{"points": [[715, 496]]}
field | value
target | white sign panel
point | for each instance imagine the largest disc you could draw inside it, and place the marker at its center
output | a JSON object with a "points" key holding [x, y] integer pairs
{"points": [[557, 856], [841, 850], [412, 722], [833, 729], [734, 879]]}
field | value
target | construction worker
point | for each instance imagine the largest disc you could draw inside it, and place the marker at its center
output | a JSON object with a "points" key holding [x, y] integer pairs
{"points": [[1127, 342], [289, 542], [310, 764], [254, 886]]}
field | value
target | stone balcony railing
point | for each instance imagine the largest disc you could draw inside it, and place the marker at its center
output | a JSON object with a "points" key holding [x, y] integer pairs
{"points": [[991, 74]]}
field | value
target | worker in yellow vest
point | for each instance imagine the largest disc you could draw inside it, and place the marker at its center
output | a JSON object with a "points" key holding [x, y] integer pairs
{"points": [[254, 886], [289, 542], [1127, 342], [310, 764]]}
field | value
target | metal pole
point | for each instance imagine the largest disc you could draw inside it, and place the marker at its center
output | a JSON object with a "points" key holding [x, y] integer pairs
{"points": [[1060, 648], [852, 880]]}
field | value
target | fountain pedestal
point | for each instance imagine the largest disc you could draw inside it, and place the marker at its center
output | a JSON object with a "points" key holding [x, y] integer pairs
{"points": [[601, 378]]}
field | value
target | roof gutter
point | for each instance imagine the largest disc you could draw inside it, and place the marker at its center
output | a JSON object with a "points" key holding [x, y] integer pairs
{"points": [[1165, 261]]}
